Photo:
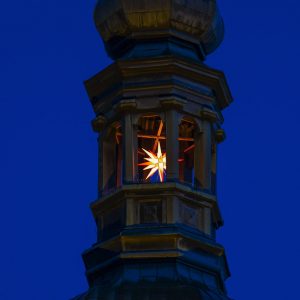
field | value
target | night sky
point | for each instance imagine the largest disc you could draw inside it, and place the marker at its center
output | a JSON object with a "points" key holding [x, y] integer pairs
{"points": [[48, 153]]}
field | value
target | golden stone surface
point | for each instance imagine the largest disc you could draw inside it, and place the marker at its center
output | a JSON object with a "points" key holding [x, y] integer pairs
{"points": [[198, 19]]}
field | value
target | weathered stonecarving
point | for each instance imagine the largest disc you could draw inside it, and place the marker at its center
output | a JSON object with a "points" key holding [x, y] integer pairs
{"points": [[158, 116]]}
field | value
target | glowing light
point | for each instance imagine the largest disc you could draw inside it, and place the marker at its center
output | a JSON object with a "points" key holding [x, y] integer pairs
{"points": [[155, 162]]}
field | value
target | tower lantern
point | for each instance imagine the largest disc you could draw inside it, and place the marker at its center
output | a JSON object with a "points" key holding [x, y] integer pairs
{"points": [[158, 117]]}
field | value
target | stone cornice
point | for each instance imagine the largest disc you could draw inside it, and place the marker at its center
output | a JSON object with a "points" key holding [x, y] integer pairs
{"points": [[130, 77], [175, 244], [179, 190]]}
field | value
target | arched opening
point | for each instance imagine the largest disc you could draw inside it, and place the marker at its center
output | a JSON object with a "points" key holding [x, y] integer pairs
{"points": [[112, 158], [151, 149], [186, 141]]}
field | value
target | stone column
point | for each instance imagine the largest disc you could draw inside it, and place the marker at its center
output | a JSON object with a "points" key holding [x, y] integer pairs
{"points": [[127, 107], [207, 220], [98, 125], [203, 156], [172, 148], [109, 163], [100, 164], [130, 212], [214, 167], [171, 107], [218, 137]]}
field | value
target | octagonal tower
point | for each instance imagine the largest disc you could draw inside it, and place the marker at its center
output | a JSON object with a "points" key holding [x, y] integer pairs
{"points": [[158, 116]]}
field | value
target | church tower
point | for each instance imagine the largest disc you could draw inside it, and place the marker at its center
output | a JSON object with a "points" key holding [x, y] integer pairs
{"points": [[158, 119]]}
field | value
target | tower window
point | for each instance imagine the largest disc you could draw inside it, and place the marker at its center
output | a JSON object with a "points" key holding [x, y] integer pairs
{"points": [[151, 149]]}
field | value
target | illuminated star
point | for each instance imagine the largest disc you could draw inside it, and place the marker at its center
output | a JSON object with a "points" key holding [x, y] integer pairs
{"points": [[155, 163]]}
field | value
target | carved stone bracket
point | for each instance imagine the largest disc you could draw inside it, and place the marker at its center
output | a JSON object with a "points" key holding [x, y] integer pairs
{"points": [[220, 135], [98, 124]]}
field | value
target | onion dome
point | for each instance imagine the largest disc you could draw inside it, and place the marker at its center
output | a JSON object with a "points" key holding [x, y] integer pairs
{"points": [[123, 24]]}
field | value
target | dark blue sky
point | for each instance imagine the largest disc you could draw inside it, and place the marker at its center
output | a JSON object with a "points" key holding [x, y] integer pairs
{"points": [[48, 153]]}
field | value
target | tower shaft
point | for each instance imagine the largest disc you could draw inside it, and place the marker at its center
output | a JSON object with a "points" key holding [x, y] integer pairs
{"points": [[158, 117]]}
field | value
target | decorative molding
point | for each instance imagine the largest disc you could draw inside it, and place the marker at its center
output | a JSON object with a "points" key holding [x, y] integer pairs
{"points": [[190, 215], [148, 193], [150, 212]]}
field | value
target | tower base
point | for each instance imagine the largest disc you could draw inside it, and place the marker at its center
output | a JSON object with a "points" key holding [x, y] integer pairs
{"points": [[154, 281], [194, 269]]}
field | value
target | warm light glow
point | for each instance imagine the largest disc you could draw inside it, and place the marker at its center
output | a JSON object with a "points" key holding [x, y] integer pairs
{"points": [[155, 162]]}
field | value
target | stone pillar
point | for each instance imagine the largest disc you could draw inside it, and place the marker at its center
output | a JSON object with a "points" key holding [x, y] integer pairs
{"points": [[203, 156], [130, 212], [109, 162], [214, 167], [98, 125], [128, 161], [207, 220], [172, 148], [171, 107], [218, 137], [129, 141], [100, 164]]}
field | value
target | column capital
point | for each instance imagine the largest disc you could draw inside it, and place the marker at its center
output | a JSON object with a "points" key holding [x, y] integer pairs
{"points": [[128, 105], [172, 103], [208, 115]]}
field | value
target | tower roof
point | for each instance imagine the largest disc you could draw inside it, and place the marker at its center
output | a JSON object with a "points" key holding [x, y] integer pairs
{"points": [[124, 23]]}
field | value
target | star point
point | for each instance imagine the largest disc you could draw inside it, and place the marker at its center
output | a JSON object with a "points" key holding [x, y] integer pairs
{"points": [[155, 162]]}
